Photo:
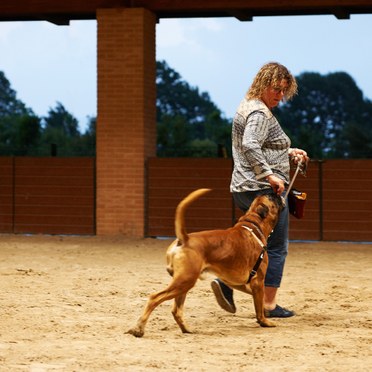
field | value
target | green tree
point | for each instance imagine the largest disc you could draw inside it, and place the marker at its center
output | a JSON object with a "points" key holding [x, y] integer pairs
{"points": [[10, 105], [27, 133], [321, 117], [172, 136], [59, 118], [329, 118], [88, 139], [359, 140], [186, 118], [19, 127], [61, 131]]}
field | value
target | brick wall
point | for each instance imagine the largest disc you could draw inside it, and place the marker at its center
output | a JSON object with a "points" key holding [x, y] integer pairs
{"points": [[126, 122]]}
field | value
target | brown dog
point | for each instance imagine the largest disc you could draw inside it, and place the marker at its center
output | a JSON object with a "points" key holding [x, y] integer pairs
{"points": [[230, 254]]}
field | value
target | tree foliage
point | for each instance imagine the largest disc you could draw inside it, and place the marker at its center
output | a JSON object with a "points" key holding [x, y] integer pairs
{"points": [[24, 133], [9, 104], [188, 122], [329, 118]]}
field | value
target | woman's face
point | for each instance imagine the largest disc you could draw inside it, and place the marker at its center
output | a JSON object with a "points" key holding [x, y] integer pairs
{"points": [[272, 95]]}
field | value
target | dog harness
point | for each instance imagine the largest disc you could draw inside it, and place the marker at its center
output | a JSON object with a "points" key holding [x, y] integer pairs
{"points": [[260, 257]]}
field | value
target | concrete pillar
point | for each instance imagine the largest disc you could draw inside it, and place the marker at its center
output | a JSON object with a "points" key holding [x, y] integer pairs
{"points": [[126, 120]]}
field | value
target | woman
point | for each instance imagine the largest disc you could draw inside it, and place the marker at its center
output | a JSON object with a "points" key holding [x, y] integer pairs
{"points": [[262, 155]]}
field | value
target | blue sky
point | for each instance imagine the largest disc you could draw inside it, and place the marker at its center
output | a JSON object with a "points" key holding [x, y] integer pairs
{"points": [[46, 63]]}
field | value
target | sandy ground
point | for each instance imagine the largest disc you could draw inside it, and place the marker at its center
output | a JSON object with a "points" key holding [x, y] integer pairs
{"points": [[66, 303]]}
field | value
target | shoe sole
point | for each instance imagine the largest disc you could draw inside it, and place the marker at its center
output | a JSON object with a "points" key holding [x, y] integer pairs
{"points": [[283, 315], [221, 300]]}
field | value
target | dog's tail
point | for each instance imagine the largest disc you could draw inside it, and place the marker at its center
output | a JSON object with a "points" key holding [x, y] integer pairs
{"points": [[179, 222]]}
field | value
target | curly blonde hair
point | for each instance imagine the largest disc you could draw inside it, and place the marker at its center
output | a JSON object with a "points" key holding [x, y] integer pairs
{"points": [[272, 74]]}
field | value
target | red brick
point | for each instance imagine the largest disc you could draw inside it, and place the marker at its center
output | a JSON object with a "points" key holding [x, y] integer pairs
{"points": [[126, 122]]}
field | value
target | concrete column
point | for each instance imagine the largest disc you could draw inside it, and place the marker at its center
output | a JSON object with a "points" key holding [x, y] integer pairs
{"points": [[126, 120]]}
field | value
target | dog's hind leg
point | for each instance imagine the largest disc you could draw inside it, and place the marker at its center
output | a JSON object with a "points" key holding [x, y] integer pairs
{"points": [[177, 312], [243, 288], [176, 289], [186, 268], [154, 300]]}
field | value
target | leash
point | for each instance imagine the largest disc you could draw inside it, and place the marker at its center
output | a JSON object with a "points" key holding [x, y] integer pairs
{"points": [[293, 179], [262, 245], [260, 257]]}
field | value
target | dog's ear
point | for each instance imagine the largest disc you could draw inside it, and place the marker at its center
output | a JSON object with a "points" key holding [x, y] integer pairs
{"points": [[262, 210]]}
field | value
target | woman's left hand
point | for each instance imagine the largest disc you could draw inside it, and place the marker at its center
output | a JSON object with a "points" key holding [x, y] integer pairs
{"points": [[299, 155]]}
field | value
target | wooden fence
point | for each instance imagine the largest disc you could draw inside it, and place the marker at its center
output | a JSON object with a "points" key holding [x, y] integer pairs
{"points": [[47, 195], [57, 196], [338, 208]]}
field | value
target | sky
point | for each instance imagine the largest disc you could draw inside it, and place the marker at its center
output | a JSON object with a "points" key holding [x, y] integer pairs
{"points": [[46, 64]]}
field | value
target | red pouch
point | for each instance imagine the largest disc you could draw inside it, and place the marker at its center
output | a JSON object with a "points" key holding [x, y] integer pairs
{"points": [[296, 203]]}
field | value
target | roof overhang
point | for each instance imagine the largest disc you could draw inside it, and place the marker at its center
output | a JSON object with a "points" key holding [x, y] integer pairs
{"points": [[61, 12]]}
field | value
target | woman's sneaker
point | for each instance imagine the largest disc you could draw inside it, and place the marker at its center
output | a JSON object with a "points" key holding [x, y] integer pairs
{"points": [[279, 312], [224, 295]]}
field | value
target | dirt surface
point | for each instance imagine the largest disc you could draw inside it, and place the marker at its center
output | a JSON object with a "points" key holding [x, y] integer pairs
{"points": [[66, 303]]}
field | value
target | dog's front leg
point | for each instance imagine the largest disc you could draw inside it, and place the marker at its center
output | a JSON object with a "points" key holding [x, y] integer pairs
{"points": [[257, 287]]}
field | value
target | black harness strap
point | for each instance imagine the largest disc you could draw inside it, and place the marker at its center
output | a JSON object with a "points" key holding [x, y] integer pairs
{"points": [[257, 265], [260, 257]]}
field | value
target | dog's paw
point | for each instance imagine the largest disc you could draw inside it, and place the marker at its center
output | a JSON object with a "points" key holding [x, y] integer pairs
{"points": [[186, 330], [137, 332], [266, 323]]}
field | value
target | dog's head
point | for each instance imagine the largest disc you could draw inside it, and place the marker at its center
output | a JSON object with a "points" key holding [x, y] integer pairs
{"points": [[265, 210]]}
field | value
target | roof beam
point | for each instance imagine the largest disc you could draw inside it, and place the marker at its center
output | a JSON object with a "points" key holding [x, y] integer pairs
{"points": [[340, 13], [59, 21], [62, 11], [241, 15]]}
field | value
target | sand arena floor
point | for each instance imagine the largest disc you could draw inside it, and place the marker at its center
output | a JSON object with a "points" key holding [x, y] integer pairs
{"points": [[66, 303]]}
